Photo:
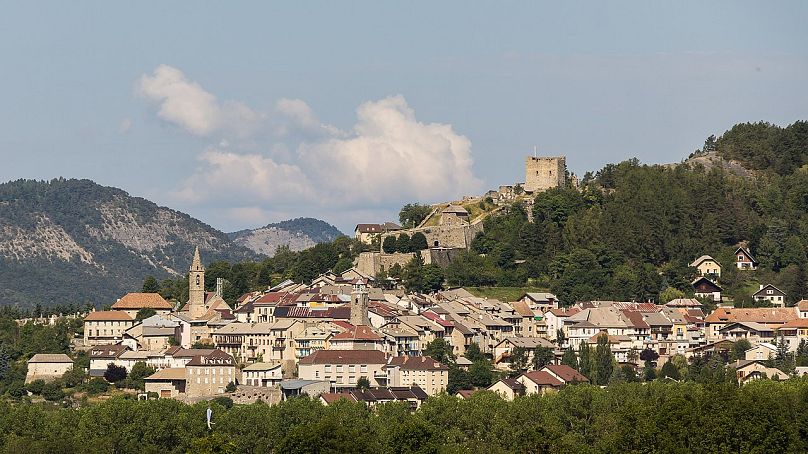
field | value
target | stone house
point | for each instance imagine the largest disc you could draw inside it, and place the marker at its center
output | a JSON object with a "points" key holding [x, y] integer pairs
{"points": [[208, 375], [106, 327], [343, 368], [167, 383], [421, 371], [454, 215], [43, 366]]}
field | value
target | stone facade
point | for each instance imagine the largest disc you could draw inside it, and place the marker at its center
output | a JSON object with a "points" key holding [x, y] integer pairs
{"points": [[196, 287], [370, 263], [542, 173]]}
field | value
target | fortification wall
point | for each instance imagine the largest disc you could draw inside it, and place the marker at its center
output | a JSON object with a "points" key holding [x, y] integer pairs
{"points": [[546, 172]]}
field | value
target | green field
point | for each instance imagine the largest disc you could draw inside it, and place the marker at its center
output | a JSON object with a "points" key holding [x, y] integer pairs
{"points": [[503, 293]]}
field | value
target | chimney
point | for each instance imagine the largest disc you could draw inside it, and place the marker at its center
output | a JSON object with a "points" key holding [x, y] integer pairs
{"points": [[761, 287], [219, 286]]}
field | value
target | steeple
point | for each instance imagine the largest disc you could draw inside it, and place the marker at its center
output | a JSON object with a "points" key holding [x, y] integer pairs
{"points": [[359, 303], [196, 264], [196, 287]]}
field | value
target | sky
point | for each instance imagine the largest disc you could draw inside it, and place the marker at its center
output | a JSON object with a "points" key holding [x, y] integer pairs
{"points": [[246, 113]]}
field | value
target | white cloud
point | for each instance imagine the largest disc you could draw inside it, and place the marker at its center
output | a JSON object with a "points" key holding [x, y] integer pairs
{"points": [[387, 158], [187, 105], [125, 126]]}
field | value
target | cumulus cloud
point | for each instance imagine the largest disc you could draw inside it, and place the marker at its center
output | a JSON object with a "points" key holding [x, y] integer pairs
{"points": [[307, 167], [186, 104]]}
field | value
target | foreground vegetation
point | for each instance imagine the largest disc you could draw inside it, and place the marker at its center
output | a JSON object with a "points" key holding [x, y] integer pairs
{"points": [[764, 416]]}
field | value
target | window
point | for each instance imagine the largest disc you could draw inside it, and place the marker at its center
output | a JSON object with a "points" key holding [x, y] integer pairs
{"points": [[770, 292]]}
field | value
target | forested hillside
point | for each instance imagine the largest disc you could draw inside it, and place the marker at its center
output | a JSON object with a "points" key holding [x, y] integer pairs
{"points": [[630, 230], [74, 242]]}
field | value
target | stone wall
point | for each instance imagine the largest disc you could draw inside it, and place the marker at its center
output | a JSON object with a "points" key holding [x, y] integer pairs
{"points": [[542, 173], [371, 263], [445, 236]]}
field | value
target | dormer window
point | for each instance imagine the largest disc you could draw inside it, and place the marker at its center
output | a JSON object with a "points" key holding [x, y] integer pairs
{"points": [[770, 292]]}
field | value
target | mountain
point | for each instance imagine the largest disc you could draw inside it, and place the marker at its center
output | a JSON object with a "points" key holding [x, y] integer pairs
{"points": [[298, 234], [74, 241]]}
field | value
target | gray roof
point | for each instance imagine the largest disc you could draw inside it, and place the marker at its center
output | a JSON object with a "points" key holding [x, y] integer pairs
{"points": [[298, 384], [261, 366], [50, 358]]}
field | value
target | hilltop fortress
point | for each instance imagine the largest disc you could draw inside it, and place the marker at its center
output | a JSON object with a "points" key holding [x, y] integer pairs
{"points": [[450, 227]]}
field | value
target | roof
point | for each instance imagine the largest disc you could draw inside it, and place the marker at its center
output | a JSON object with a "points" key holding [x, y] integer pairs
{"points": [[564, 312], [711, 283], [802, 305], [542, 378], [522, 309], [170, 373], [768, 287], [215, 358], [754, 326], [527, 342], [262, 366], [456, 209], [539, 296], [345, 357], [361, 332], [746, 252], [179, 352], [298, 384], [368, 228], [108, 316], [796, 323], [416, 363], [512, 383], [683, 302], [142, 301], [50, 358], [703, 258], [463, 361], [566, 373], [330, 398], [759, 314], [107, 351]]}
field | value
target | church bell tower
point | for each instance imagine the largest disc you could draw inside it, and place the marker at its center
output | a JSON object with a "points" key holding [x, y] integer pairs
{"points": [[359, 304], [196, 287]]}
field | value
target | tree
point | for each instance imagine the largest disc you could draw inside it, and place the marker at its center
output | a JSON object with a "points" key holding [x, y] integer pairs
{"points": [[432, 278], [739, 349], [569, 358], [145, 313], [389, 244], [403, 243], [230, 388], [473, 353], [363, 383], [418, 242], [603, 361], [114, 373], [53, 391], [440, 351], [670, 294], [669, 370], [481, 375], [518, 359], [561, 337], [412, 214], [96, 386], [543, 356], [649, 355], [35, 387], [74, 377], [585, 361], [150, 285]]}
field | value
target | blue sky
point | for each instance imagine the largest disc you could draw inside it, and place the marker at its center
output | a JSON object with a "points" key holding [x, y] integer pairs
{"points": [[245, 113]]}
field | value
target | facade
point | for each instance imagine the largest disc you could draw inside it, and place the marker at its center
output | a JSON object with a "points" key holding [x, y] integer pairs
{"points": [[508, 388], [343, 368], [772, 294], [542, 173], [707, 266], [454, 215], [539, 382], [262, 374], [421, 371], [167, 383], [47, 367], [367, 232], [705, 288], [106, 327], [208, 375], [744, 259], [102, 356]]}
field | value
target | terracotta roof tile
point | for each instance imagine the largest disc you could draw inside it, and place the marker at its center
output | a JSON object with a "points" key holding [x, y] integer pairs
{"points": [[142, 301]]}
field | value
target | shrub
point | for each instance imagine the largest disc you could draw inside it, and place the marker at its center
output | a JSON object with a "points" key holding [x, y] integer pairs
{"points": [[35, 387]]}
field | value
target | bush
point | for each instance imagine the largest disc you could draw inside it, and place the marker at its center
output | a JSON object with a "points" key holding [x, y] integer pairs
{"points": [[224, 401], [96, 386], [53, 391], [231, 387], [73, 378], [115, 373], [35, 387]]}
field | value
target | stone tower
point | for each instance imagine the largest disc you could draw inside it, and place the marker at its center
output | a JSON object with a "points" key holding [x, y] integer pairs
{"points": [[545, 172], [196, 287], [359, 304]]}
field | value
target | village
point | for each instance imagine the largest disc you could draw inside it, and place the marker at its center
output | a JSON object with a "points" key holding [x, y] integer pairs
{"points": [[353, 336]]}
